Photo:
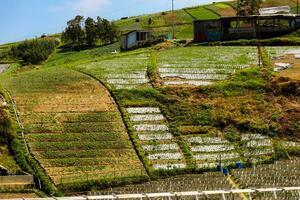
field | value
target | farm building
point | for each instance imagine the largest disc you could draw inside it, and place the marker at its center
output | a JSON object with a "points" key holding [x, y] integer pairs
{"points": [[135, 39], [245, 27]]}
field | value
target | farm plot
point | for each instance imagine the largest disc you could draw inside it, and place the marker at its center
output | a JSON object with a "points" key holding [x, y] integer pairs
{"points": [[202, 13], [279, 174], [276, 52], [122, 72], [203, 65], [193, 182], [72, 126], [158, 144], [223, 9], [210, 151], [257, 146], [286, 61]]}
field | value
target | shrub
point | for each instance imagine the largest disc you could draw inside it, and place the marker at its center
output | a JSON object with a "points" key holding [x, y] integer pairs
{"points": [[34, 51]]}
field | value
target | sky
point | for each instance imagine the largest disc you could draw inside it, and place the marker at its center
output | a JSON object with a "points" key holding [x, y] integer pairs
{"points": [[23, 19]]}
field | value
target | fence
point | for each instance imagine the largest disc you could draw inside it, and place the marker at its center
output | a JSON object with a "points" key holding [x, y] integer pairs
{"points": [[207, 194], [16, 182]]}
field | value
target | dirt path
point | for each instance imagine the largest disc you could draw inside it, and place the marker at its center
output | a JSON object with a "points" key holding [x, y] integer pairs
{"points": [[231, 181]]}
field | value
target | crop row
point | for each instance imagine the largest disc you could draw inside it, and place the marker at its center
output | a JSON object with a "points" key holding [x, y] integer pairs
{"points": [[216, 156], [155, 136], [160, 147], [103, 153], [195, 76], [74, 127], [63, 162], [31, 99], [38, 118], [212, 148], [75, 137], [188, 82], [76, 146], [146, 117], [196, 70], [100, 107]]}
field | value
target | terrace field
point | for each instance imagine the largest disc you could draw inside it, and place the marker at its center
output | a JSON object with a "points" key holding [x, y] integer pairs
{"points": [[169, 115], [72, 126]]}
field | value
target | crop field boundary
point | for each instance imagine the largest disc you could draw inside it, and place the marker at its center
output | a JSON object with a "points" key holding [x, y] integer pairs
{"points": [[18, 120], [185, 10]]}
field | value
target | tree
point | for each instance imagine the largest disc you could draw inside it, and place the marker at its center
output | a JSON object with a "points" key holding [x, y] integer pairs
{"points": [[34, 51], [248, 7], [107, 31], [91, 31], [74, 33]]}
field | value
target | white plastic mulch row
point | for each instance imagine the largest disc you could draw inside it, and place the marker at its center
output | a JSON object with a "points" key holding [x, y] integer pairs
{"points": [[216, 156], [207, 140], [146, 117], [186, 82], [160, 147], [139, 75], [155, 136], [195, 76], [260, 152], [150, 127], [259, 143], [212, 148], [203, 64], [158, 132], [214, 164], [246, 137], [127, 81], [169, 166], [142, 110], [118, 86], [165, 156], [291, 144], [196, 70]]}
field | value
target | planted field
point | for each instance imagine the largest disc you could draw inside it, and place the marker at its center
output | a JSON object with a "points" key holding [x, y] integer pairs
{"points": [[199, 182], [222, 9], [164, 19], [155, 139], [201, 13], [72, 126], [279, 174], [210, 151], [286, 61], [127, 72], [203, 65]]}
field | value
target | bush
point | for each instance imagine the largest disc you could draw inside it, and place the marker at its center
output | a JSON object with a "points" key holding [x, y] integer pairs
{"points": [[34, 51]]}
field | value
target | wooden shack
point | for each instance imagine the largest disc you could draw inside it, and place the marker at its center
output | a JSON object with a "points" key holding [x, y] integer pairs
{"points": [[245, 27], [135, 39]]}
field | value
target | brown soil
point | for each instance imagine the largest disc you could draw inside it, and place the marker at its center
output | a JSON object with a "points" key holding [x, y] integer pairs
{"points": [[294, 71], [17, 195], [227, 12]]}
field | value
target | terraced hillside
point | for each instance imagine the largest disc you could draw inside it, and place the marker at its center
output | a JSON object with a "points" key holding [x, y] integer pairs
{"points": [[73, 126], [203, 65], [126, 72]]}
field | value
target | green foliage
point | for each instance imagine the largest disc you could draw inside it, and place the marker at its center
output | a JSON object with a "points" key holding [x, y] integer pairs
{"points": [[74, 32], [78, 33], [34, 51], [6, 128], [91, 31]]}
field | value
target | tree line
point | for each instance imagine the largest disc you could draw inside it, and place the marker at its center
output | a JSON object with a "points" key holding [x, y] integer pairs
{"points": [[34, 51], [81, 31]]}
